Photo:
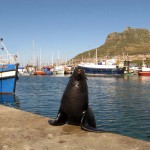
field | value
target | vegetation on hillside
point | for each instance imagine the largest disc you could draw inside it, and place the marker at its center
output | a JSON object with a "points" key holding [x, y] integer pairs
{"points": [[131, 42]]}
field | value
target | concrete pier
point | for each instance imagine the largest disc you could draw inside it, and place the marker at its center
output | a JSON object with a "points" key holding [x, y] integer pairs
{"points": [[21, 130]]}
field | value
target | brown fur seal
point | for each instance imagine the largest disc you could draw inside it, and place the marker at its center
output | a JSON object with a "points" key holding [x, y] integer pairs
{"points": [[74, 108]]}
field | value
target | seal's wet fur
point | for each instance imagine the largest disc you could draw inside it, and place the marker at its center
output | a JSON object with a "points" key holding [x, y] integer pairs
{"points": [[74, 108]]}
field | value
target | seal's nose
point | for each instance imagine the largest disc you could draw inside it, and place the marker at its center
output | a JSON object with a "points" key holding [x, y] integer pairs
{"points": [[79, 71]]}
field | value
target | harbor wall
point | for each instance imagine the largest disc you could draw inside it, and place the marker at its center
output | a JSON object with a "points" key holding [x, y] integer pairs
{"points": [[21, 130]]}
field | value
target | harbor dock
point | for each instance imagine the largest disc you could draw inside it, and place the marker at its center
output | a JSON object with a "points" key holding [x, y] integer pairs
{"points": [[20, 130]]}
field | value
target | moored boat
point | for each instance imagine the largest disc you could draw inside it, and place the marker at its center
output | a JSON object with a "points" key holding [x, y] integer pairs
{"points": [[47, 70], [23, 71], [68, 69], [106, 67], [8, 71], [92, 69], [145, 71], [39, 72], [44, 71], [59, 70]]}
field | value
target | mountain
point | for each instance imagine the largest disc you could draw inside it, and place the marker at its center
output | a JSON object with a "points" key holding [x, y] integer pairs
{"points": [[132, 42]]}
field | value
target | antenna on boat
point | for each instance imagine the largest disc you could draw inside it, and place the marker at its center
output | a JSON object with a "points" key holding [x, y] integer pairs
{"points": [[4, 48]]}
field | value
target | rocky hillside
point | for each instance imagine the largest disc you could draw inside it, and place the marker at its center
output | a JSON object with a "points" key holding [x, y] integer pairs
{"points": [[133, 42]]}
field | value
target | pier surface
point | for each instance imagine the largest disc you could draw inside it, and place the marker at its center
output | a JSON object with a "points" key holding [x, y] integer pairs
{"points": [[21, 130]]}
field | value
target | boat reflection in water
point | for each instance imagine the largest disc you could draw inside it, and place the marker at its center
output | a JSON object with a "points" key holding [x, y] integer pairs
{"points": [[10, 100]]}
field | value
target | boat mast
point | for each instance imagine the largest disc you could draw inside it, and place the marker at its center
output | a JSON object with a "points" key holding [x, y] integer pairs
{"points": [[8, 54], [40, 59], [52, 59], [58, 59], [33, 53], [96, 57]]}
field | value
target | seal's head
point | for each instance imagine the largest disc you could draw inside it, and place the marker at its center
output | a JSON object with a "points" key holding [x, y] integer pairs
{"points": [[78, 74]]}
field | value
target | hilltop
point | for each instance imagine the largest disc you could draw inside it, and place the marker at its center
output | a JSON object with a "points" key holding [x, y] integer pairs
{"points": [[134, 43]]}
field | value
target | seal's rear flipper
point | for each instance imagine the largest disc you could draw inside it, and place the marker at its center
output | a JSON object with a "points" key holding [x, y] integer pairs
{"points": [[88, 122], [60, 120]]}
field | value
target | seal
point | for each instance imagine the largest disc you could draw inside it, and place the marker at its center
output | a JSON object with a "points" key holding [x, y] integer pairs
{"points": [[74, 108]]}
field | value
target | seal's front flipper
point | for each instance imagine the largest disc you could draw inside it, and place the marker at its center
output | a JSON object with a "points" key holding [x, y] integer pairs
{"points": [[60, 120], [88, 122]]}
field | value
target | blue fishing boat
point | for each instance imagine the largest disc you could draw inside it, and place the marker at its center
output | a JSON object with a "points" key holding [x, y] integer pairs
{"points": [[8, 71]]}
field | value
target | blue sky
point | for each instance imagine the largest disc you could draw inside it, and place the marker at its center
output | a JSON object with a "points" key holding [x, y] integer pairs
{"points": [[68, 26]]}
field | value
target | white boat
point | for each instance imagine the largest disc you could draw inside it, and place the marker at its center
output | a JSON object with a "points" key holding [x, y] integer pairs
{"points": [[145, 70], [104, 68], [59, 69], [23, 71], [92, 69]]}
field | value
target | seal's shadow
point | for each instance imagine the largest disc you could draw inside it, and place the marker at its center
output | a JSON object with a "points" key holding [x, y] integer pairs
{"points": [[70, 129]]}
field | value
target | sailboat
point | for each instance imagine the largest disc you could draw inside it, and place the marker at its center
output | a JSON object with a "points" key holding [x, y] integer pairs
{"points": [[39, 71], [59, 69], [43, 70]]}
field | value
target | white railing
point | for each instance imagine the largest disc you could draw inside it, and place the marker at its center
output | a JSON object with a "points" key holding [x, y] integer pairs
{"points": [[5, 59], [5, 56]]}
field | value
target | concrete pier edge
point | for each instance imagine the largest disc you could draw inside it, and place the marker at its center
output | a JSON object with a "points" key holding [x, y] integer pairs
{"points": [[20, 130]]}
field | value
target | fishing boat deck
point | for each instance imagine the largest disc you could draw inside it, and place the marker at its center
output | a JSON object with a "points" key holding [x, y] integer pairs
{"points": [[23, 130]]}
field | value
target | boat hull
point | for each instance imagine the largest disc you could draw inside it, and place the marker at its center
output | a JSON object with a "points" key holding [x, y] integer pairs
{"points": [[60, 72], [43, 72], [89, 71], [144, 73], [39, 73], [8, 78], [7, 98]]}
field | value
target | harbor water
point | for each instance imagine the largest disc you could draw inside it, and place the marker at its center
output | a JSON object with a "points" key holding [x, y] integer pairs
{"points": [[120, 105]]}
